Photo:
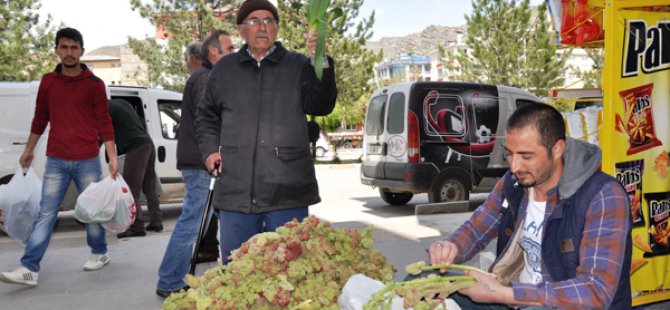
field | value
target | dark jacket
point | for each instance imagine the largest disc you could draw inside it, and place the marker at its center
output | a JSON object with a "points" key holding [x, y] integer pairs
{"points": [[188, 153], [256, 112], [129, 130]]}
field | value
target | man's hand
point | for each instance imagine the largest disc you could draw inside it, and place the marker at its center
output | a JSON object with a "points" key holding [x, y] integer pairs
{"points": [[213, 164], [26, 158], [311, 42], [442, 253], [113, 168], [488, 289]]}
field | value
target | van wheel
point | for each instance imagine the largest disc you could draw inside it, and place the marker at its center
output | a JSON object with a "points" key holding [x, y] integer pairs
{"points": [[347, 144], [449, 189], [395, 199], [320, 151]]}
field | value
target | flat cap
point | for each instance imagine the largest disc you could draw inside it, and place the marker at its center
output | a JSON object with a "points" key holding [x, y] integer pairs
{"points": [[249, 6]]}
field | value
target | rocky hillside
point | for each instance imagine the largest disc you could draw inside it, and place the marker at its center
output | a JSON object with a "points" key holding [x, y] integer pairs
{"points": [[423, 43]]}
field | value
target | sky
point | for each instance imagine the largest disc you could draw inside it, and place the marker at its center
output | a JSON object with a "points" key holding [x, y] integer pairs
{"points": [[111, 22]]}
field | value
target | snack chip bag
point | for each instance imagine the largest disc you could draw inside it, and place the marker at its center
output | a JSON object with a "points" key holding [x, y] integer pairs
{"points": [[636, 264], [659, 228], [629, 174], [661, 164], [638, 121]]}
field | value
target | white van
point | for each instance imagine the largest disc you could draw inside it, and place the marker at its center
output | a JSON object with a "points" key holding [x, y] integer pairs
{"points": [[160, 109], [441, 138]]}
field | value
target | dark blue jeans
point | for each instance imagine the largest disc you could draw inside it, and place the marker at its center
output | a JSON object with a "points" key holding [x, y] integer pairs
{"points": [[236, 227]]}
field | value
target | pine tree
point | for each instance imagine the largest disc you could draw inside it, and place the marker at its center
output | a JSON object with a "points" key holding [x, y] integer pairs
{"points": [[26, 44], [592, 78], [184, 21], [509, 47], [543, 66]]}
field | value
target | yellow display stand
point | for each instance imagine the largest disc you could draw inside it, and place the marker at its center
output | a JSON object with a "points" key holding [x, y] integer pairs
{"points": [[636, 129]]}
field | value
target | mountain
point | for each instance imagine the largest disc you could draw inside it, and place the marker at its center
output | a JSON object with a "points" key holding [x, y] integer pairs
{"points": [[423, 43]]}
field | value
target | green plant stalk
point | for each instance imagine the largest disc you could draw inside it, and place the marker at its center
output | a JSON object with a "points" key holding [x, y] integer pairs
{"points": [[438, 280], [452, 266], [320, 49], [316, 15]]}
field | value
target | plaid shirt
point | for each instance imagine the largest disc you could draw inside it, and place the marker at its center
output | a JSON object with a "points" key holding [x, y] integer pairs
{"points": [[601, 251]]}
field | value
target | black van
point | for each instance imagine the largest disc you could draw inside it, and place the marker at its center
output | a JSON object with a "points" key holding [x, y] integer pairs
{"points": [[441, 138]]}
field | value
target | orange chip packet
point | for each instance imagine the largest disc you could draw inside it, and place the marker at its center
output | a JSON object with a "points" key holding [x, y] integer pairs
{"points": [[641, 244], [635, 264], [638, 121]]}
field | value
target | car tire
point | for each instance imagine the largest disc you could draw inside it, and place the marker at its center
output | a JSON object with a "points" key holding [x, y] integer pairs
{"points": [[347, 144], [395, 199], [449, 188], [320, 152]]}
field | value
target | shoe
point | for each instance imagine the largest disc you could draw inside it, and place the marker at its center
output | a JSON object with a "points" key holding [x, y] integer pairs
{"points": [[166, 294], [131, 233], [97, 261], [156, 228], [204, 257], [20, 275]]}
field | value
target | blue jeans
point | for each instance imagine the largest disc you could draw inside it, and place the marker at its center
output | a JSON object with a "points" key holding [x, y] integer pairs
{"points": [[236, 227], [57, 176], [177, 258]]}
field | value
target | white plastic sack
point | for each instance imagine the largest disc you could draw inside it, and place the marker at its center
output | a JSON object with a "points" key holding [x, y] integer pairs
{"points": [[126, 209], [359, 289], [97, 203], [20, 205]]}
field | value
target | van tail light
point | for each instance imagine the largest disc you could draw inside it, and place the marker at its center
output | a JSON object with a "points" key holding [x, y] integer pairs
{"points": [[412, 137]]}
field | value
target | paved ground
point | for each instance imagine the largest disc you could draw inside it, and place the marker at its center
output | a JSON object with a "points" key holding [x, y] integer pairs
{"points": [[129, 281]]}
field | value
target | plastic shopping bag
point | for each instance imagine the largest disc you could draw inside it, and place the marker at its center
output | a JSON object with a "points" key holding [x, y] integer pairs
{"points": [[20, 205], [359, 289], [96, 204], [126, 209]]}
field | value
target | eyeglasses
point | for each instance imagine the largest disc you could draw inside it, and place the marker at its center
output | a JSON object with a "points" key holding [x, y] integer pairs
{"points": [[253, 22]]}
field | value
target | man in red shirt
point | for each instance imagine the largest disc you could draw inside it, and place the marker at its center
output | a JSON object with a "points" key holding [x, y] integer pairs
{"points": [[74, 103]]}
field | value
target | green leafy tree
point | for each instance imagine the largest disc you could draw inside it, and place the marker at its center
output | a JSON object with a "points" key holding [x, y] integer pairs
{"points": [[189, 20], [26, 44], [345, 42], [508, 46], [184, 21], [592, 78]]}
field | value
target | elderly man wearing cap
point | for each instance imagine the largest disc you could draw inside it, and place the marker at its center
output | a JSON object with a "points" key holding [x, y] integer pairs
{"points": [[252, 129]]}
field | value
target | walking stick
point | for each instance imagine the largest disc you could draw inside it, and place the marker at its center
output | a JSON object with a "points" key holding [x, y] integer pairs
{"points": [[204, 224]]}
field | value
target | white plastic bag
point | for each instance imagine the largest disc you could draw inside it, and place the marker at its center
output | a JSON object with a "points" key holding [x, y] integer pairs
{"points": [[97, 203], [358, 291], [20, 205], [125, 207]]}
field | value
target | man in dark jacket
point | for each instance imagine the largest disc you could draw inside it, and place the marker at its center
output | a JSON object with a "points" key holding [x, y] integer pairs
{"points": [[139, 171], [252, 122], [177, 256]]}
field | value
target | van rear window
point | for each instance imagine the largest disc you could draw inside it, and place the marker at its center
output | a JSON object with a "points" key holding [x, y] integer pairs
{"points": [[396, 114], [374, 122]]}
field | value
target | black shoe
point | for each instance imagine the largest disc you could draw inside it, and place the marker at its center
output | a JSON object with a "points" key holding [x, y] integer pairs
{"points": [[156, 228], [166, 294], [131, 233], [205, 257]]}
